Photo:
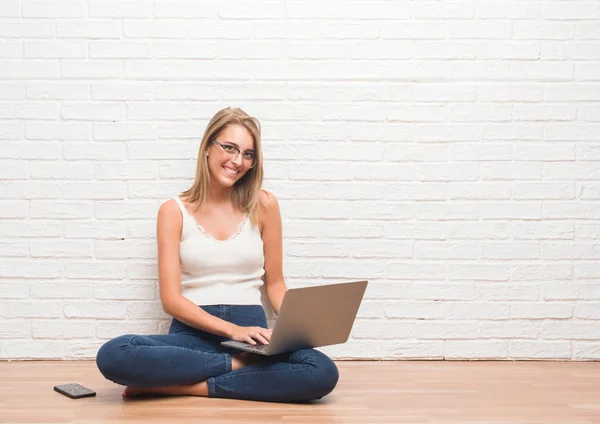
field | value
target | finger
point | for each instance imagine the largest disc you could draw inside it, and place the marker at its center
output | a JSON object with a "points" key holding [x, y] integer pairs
{"points": [[260, 338], [249, 340]]}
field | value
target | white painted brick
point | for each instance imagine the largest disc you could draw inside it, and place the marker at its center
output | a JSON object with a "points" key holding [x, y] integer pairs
{"points": [[95, 309], [472, 349], [10, 9], [421, 349], [475, 230], [478, 271], [14, 170], [415, 310], [57, 91], [507, 292], [126, 171], [443, 172], [534, 30], [511, 210], [319, 209], [97, 69], [33, 349], [105, 111], [382, 329], [445, 330], [112, 210], [521, 349], [570, 291], [507, 329], [384, 172], [445, 250], [14, 289], [446, 10], [508, 10], [126, 249], [382, 249], [316, 249], [540, 311], [559, 210], [52, 248], [95, 270], [472, 191], [89, 29], [183, 169], [418, 231], [443, 291], [112, 329], [62, 329], [586, 350], [54, 9], [415, 271], [576, 10], [512, 131], [55, 49], [586, 231], [541, 272], [575, 330], [416, 191], [60, 290], [478, 310], [445, 151], [15, 329], [11, 50], [13, 91], [26, 29], [413, 30], [146, 310], [120, 291], [546, 191], [29, 190], [31, 308], [382, 211], [32, 228], [587, 270], [14, 248]]}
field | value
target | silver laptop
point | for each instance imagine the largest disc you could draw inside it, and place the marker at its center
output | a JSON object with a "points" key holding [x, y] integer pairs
{"points": [[311, 317]]}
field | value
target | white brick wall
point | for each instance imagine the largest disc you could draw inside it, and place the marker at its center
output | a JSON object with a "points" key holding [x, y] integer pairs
{"points": [[447, 151]]}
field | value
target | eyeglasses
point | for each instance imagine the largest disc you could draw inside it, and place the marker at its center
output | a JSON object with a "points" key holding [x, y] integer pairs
{"points": [[234, 152]]}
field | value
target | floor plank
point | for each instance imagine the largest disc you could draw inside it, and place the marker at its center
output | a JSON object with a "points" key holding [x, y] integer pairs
{"points": [[432, 392]]}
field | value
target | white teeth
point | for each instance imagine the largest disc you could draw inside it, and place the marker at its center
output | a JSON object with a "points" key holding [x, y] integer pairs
{"points": [[230, 171]]}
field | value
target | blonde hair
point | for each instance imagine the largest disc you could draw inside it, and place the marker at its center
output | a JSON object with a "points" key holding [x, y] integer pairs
{"points": [[246, 191]]}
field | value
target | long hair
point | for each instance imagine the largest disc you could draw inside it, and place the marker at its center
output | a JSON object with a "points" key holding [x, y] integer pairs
{"points": [[246, 191]]}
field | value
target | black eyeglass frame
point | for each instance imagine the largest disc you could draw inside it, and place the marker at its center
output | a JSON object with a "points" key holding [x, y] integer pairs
{"points": [[223, 146]]}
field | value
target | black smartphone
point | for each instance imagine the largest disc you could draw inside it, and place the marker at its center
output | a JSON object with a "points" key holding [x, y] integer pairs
{"points": [[74, 390]]}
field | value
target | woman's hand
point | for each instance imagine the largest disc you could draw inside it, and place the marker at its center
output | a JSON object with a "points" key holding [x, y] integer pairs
{"points": [[248, 334]]}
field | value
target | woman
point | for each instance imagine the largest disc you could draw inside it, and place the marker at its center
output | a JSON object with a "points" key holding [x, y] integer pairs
{"points": [[217, 245]]}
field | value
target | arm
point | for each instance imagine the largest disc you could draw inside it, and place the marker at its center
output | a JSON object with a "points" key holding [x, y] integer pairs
{"points": [[271, 233], [168, 234]]}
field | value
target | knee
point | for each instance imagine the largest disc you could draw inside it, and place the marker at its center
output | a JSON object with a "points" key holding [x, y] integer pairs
{"points": [[111, 357], [326, 374]]}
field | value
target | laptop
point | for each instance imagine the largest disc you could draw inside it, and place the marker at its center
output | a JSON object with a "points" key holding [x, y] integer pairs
{"points": [[311, 317]]}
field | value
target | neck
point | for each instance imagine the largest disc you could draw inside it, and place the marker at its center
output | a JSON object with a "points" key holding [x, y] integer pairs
{"points": [[219, 195]]}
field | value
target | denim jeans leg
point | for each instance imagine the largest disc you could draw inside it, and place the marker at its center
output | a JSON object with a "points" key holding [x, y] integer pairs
{"points": [[160, 360]]}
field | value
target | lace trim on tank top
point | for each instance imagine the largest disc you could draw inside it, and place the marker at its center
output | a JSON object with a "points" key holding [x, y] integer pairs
{"points": [[200, 228]]}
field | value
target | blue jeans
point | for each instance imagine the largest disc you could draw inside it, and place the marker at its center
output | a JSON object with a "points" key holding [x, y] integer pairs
{"points": [[188, 355]]}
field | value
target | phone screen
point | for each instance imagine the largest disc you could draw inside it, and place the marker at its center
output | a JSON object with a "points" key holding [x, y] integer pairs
{"points": [[74, 390]]}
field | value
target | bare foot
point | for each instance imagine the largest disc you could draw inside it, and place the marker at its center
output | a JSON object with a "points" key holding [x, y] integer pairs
{"points": [[243, 360], [197, 389]]}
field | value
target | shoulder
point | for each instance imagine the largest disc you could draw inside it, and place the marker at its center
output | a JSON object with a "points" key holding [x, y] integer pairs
{"points": [[268, 200], [169, 212], [269, 210]]}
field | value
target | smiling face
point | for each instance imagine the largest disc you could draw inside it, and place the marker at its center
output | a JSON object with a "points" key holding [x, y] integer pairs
{"points": [[223, 165]]}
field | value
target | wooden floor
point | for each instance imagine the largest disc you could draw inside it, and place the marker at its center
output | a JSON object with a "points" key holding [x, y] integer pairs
{"points": [[368, 392]]}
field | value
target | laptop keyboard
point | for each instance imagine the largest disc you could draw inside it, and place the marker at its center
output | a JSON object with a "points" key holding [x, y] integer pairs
{"points": [[258, 348]]}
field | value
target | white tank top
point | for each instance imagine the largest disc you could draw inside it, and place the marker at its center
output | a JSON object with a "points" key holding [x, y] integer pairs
{"points": [[215, 272]]}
